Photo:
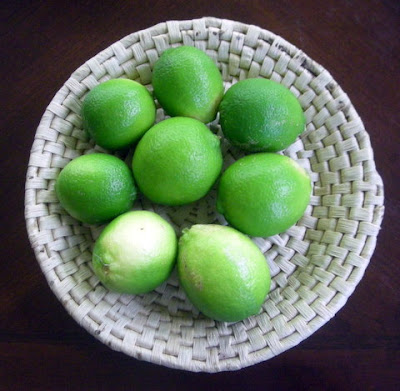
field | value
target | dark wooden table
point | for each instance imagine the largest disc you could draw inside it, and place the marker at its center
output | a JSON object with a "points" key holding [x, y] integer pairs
{"points": [[42, 43]]}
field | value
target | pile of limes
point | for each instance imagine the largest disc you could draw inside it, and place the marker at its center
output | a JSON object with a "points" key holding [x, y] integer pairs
{"points": [[176, 162]]}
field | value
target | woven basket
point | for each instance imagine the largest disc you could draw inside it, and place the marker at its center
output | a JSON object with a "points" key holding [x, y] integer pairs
{"points": [[315, 265]]}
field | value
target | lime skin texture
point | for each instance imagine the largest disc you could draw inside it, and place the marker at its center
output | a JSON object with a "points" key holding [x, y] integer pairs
{"points": [[177, 161], [187, 83], [116, 113], [261, 115], [263, 194], [135, 253], [224, 274], [95, 188]]}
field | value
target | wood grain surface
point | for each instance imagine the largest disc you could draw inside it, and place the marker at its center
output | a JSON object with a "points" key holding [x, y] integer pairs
{"points": [[43, 42]]}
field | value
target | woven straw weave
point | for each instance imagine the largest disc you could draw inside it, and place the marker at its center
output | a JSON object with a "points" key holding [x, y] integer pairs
{"points": [[315, 265]]}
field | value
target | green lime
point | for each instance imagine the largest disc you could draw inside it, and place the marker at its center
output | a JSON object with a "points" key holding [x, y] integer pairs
{"points": [[96, 188], [187, 83], [117, 113], [177, 161], [263, 194], [261, 115], [135, 253], [223, 273]]}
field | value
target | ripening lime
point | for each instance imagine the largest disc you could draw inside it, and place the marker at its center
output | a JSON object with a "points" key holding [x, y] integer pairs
{"points": [[223, 273], [135, 253]]}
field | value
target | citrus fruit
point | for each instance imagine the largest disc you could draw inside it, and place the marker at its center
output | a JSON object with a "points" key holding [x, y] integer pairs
{"points": [[263, 194], [117, 113], [260, 115], [135, 253], [177, 161], [187, 83], [95, 188], [223, 273]]}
